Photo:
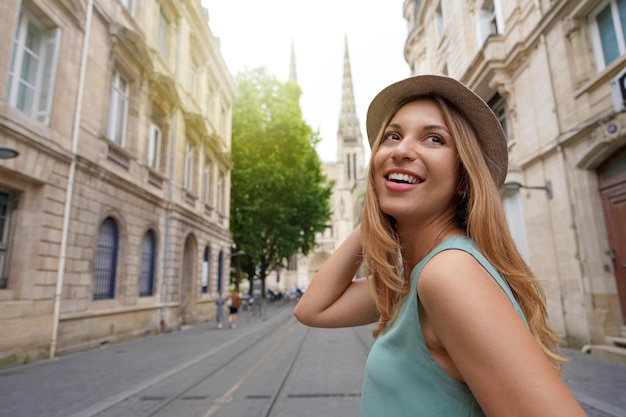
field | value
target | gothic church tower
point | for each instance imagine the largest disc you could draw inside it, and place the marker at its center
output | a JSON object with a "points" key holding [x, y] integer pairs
{"points": [[348, 173], [350, 170]]}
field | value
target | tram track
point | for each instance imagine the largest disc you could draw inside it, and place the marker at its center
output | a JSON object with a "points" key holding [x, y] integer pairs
{"points": [[207, 366], [259, 372], [274, 409], [266, 413]]}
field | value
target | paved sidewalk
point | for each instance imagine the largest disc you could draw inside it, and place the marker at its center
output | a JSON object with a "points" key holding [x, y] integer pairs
{"points": [[599, 385]]}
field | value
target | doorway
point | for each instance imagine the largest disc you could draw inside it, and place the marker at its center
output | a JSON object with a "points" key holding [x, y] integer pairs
{"points": [[188, 295], [612, 179]]}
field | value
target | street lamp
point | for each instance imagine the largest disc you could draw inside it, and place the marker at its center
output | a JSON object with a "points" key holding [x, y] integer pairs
{"points": [[8, 153], [515, 186]]}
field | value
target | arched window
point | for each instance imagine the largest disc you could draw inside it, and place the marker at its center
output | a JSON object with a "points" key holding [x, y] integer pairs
{"points": [[220, 262], [148, 260], [106, 260], [206, 269]]}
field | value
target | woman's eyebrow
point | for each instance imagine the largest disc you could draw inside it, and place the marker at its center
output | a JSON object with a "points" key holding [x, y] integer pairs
{"points": [[436, 127], [427, 127]]}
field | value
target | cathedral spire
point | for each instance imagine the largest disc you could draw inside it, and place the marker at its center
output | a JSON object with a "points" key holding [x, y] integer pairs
{"points": [[349, 131], [292, 67]]}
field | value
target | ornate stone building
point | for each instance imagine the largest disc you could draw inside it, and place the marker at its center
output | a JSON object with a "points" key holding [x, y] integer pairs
{"points": [[553, 72], [114, 216]]}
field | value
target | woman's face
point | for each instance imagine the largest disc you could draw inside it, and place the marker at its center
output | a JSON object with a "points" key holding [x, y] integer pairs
{"points": [[416, 168]]}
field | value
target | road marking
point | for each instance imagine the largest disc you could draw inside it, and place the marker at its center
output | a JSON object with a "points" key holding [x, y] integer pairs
{"points": [[228, 395]]}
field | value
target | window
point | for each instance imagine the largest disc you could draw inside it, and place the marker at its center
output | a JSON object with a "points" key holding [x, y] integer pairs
{"points": [[193, 79], [8, 203], [615, 167], [162, 36], [209, 101], [488, 22], [206, 269], [439, 21], [348, 166], [608, 27], [220, 270], [154, 147], [220, 194], [351, 166], [148, 261], [206, 189], [106, 260], [498, 105], [223, 122], [189, 162], [129, 5], [118, 109], [33, 67]]}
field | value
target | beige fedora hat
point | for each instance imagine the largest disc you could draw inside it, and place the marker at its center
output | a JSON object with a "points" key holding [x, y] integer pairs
{"points": [[488, 129]]}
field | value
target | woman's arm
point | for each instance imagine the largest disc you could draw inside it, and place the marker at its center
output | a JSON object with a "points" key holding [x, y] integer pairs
{"points": [[334, 298], [492, 349]]}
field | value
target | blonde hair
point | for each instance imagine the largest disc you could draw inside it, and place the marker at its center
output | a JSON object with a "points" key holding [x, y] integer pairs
{"points": [[382, 250]]}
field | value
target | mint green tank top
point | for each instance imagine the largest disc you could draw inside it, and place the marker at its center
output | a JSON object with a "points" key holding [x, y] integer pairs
{"points": [[401, 377]]}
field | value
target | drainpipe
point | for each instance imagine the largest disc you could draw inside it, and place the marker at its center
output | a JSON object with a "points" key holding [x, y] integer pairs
{"points": [[70, 183], [170, 190], [168, 219]]}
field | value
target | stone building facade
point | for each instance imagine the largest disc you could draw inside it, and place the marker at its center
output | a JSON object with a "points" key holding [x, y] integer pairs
{"points": [[553, 73], [114, 218]]}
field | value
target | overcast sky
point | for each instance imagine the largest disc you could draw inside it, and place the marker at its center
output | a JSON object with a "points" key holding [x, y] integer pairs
{"points": [[259, 33]]}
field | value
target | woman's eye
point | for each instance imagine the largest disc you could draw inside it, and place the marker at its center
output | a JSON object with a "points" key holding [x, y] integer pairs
{"points": [[391, 136], [435, 139]]}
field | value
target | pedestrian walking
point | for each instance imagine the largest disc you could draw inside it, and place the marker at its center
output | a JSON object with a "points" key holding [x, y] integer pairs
{"points": [[219, 305], [235, 303], [461, 320]]}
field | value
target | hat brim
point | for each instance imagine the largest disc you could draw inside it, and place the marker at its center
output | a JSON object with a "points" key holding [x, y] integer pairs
{"points": [[486, 125]]}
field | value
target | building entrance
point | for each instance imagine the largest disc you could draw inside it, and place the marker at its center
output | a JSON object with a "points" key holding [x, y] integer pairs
{"points": [[612, 179]]}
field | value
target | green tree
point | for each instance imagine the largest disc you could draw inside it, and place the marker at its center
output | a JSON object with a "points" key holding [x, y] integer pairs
{"points": [[279, 196]]}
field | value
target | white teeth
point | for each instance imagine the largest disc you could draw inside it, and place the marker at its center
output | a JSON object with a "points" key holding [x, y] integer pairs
{"points": [[402, 177]]}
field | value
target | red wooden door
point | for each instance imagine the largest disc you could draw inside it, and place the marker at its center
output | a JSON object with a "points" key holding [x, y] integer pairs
{"points": [[612, 175]]}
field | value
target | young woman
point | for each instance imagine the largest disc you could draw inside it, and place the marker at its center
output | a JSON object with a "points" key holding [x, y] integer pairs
{"points": [[461, 320]]}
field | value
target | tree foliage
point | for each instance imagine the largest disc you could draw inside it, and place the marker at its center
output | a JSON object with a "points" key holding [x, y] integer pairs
{"points": [[279, 195]]}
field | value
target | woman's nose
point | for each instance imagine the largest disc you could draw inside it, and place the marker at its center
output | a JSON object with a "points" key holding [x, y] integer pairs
{"points": [[404, 150]]}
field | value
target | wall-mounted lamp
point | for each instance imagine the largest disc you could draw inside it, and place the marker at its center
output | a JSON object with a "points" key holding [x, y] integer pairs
{"points": [[8, 153], [515, 186]]}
